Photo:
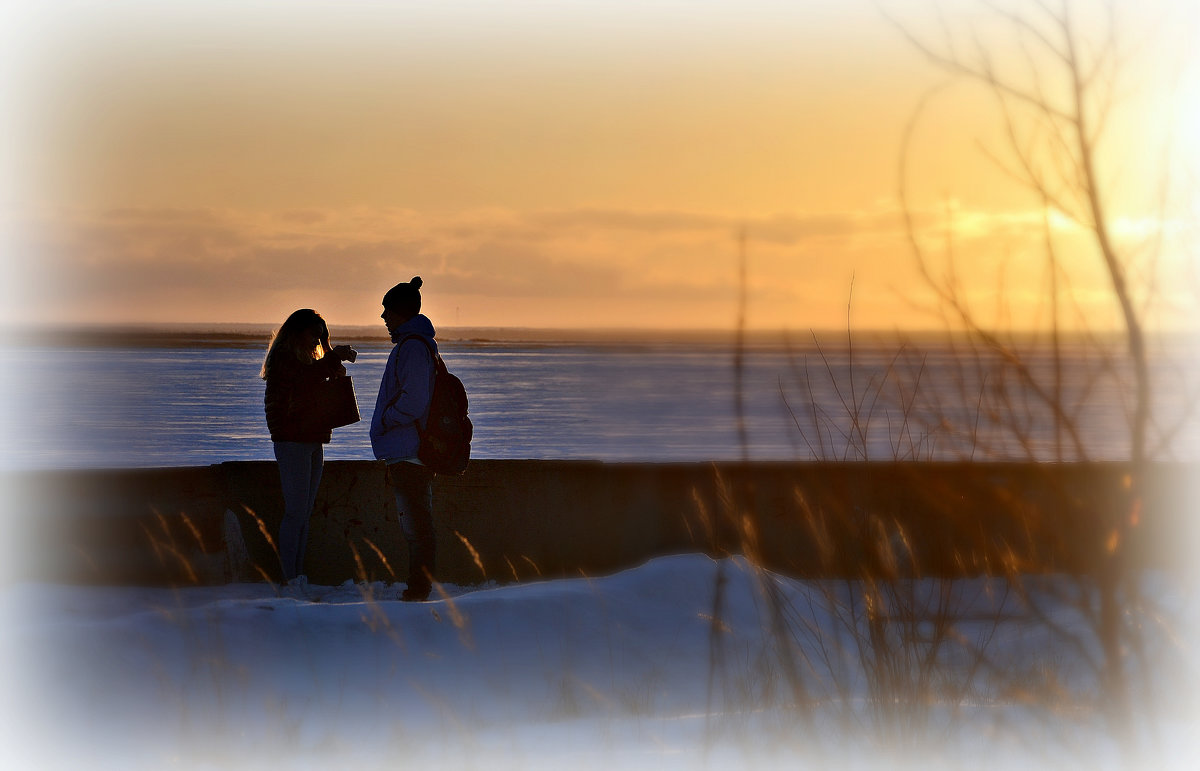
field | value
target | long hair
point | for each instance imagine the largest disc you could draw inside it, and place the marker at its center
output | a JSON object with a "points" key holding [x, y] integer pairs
{"points": [[288, 339]]}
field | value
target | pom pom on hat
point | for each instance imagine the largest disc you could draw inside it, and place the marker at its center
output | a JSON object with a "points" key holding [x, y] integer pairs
{"points": [[405, 297]]}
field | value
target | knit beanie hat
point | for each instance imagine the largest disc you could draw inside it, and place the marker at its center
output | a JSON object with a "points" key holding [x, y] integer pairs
{"points": [[404, 298]]}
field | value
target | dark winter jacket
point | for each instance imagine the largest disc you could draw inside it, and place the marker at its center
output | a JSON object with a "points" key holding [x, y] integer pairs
{"points": [[291, 386]]}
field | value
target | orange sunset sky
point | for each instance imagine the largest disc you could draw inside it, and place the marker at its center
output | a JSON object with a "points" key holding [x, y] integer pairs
{"points": [[556, 164]]}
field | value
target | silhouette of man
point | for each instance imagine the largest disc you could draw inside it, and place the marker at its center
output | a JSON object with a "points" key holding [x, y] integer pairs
{"points": [[402, 405]]}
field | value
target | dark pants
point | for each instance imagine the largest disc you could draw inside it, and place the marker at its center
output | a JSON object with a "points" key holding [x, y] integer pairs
{"points": [[412, 484], [300, 465]]}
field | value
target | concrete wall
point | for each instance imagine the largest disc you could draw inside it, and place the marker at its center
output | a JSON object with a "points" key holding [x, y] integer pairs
{"points": [[514, 520]]}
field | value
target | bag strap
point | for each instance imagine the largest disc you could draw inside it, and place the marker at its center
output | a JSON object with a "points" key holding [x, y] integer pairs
{"points": [[434, 356], [437, 361]]}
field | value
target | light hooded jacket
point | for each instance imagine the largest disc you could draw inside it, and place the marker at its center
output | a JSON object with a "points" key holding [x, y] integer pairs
{"points": [[404, 392]]}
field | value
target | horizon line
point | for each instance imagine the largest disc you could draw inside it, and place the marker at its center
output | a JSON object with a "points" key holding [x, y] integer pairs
{"points": [[135, 332]]}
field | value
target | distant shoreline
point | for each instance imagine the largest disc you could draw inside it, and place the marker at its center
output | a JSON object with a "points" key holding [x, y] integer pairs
{"points": [[254, 335]]}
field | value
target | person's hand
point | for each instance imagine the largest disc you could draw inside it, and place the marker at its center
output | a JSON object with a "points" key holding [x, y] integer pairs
{"points": [[345, 353]]}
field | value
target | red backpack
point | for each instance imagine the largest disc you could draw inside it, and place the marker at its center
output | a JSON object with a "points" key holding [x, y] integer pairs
{"points": [[446, 438]]}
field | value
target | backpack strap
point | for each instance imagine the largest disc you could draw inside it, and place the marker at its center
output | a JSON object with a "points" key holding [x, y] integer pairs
{"points": [[428, 344], [433, 355], [438, 364]]}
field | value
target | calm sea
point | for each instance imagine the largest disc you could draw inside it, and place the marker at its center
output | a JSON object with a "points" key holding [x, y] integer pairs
{"points": [[136, 406]]}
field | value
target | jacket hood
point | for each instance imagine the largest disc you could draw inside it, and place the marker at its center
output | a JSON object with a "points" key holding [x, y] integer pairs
{"points": [[417, 325]]}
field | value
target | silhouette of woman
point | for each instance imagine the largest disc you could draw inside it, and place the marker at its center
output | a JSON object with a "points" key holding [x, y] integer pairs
{"points": [[298, 358]]}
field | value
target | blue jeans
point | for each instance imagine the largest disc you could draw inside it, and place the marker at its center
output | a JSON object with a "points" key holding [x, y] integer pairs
{"points": [[300, 465], [412, 485]]}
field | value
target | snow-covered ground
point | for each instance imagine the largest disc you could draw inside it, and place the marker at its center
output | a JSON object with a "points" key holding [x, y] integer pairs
{"points": [[681, 663]]}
